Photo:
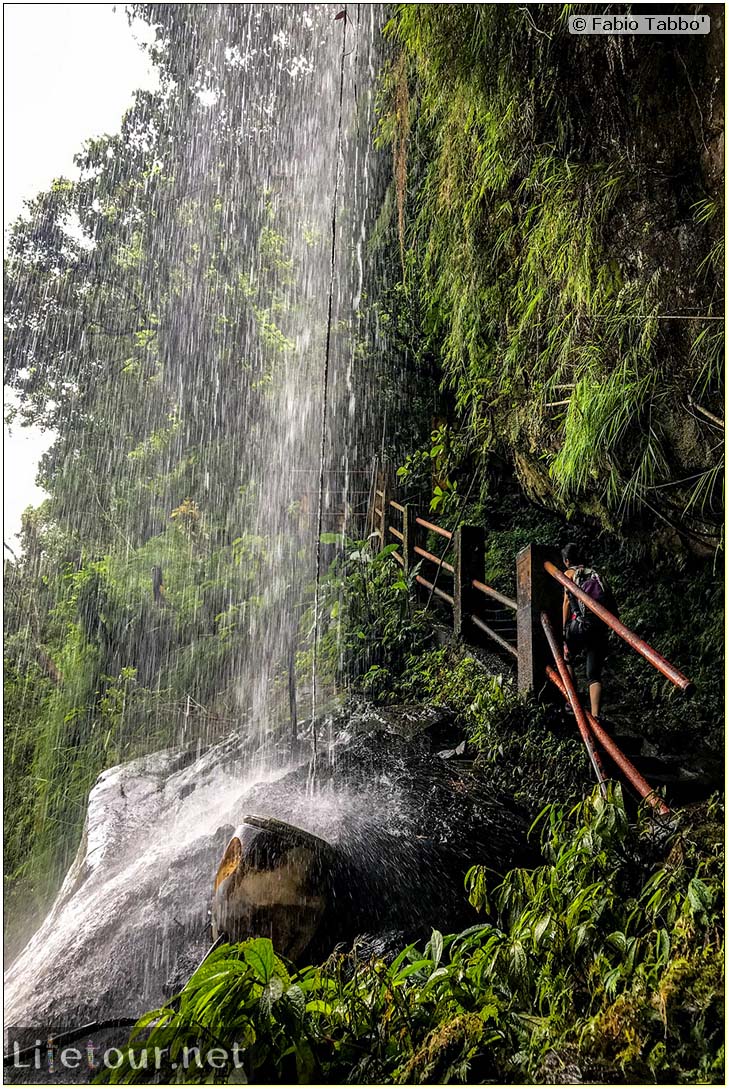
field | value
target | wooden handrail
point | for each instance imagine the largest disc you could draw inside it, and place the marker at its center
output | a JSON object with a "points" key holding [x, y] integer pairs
{"points": [[493, 635], [436, 529], [434, 559], [644, 649], [629, 770], [574, 700], [490, 592], [434, 589]]}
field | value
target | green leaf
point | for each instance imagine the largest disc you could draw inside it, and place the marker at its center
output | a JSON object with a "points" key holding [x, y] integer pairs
{"points": [[261, 957], [699, 896], [317, 1005], [386, 551], [297, 1000], [401, 957], [618, 940], [305, 1063], [542, 928], [439, 973], [271, 993], [436, 947], [419, 966]]}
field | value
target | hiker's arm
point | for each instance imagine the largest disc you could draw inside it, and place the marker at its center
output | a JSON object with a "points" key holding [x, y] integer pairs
{"points": [[566, 601], [565, 618]]}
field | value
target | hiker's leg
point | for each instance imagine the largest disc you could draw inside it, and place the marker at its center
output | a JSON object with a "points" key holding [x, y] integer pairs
{"points": [[593, 666], [595, 694]]}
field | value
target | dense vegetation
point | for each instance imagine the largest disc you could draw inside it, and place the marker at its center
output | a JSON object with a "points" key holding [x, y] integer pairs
{"points": [[543, 296], [598, 966], [561, 251]]}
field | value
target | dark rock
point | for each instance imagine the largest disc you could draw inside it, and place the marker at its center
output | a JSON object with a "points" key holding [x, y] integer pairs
{"points": [[131, 920]]}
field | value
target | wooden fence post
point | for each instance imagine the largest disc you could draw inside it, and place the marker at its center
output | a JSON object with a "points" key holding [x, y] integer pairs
{"points": [[385, 519], [372, 500], [535, 591], [409, 527], [469, 549]]}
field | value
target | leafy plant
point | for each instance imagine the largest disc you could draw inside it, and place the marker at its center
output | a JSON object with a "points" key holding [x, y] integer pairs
{"points": [[591, 960], [369, 621]]}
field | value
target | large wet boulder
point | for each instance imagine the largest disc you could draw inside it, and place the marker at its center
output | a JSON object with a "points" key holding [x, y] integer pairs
{"points": [[274, 880], [398, 827]]}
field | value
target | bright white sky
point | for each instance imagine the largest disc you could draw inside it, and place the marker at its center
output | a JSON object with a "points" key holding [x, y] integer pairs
{"points": [[70, 70]]}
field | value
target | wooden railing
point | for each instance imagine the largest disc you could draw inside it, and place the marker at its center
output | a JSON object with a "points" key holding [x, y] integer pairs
{"points": [[465, 592], [520, 627]]}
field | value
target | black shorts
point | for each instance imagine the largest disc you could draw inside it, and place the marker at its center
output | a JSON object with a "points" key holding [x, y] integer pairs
{"points": [[591, 643]]}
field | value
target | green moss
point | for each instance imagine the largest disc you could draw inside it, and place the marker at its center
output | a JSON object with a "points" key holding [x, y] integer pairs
{"points": [[537, 263]]}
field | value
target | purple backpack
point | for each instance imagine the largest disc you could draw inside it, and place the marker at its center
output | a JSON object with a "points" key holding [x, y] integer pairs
{"points": [[589, 581]]}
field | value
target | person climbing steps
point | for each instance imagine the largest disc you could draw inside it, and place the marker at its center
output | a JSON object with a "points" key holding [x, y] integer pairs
{"points": [[584, 632]]}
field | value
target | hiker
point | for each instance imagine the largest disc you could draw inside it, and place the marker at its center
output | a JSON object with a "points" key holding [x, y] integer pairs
{"points": [[583, 631]]}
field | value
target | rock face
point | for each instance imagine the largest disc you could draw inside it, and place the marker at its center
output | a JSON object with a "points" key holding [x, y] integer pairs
{"points": [[131, 921], [135, 897], [274, 879]]}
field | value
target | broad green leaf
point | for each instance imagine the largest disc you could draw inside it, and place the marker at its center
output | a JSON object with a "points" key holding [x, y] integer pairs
{"points": [[436, 947], [317, 1005], [542, 928], [270, 994], [419, 966], [296, 998], [699, 897], [260, 955], [386, 551]]}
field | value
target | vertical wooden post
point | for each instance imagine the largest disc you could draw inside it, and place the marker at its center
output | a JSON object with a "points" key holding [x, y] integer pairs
{"points": [[372, 500], [409, 527], [469, 548], [535, 591], [385, 500]]}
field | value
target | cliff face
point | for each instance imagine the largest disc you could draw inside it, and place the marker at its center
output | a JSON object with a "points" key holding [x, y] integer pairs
{"points": [[558, 211]]}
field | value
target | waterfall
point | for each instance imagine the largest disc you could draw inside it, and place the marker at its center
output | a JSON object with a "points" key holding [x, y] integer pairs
{"points": [[259, 200], [294, 84]]}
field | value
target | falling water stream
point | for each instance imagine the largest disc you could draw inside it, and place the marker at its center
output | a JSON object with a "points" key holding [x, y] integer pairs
{"points": [[275, 175], [260, 206]]}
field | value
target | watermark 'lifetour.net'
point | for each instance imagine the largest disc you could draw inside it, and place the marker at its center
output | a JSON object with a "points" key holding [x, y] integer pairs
{"points": [[53, 1058]]}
